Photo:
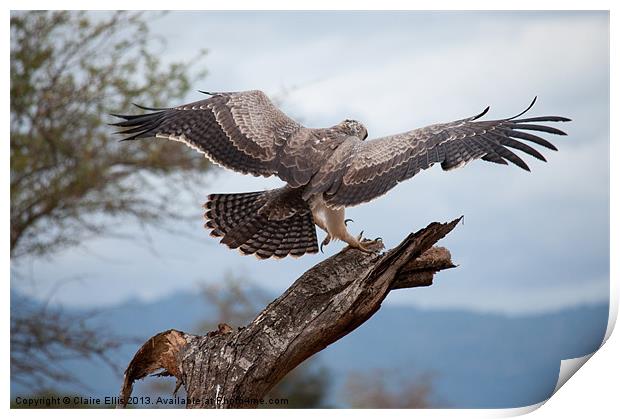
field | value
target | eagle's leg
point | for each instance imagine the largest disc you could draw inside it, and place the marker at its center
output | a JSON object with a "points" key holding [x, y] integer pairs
{"points": [[325, 241], [337, 228], [320, 222], [365, 245]]}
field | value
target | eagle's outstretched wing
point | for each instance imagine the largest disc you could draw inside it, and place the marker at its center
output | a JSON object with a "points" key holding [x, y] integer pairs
{"points": [[241, 131], [378, 165]]}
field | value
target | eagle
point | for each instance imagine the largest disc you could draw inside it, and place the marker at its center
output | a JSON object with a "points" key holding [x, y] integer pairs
{"points": [[325, 170]]}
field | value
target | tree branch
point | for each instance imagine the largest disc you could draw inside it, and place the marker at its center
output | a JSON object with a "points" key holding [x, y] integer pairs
{"points": [[236, 368]]}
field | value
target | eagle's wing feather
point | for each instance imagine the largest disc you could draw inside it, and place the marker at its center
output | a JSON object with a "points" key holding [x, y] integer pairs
{"points": [[378, 165], [242, 131]]}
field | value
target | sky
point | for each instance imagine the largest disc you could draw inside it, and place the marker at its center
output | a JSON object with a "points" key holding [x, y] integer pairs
{"points": [[530, 242]]}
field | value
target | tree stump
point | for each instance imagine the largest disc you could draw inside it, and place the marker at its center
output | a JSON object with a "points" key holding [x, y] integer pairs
{"points": [[231, 368]]}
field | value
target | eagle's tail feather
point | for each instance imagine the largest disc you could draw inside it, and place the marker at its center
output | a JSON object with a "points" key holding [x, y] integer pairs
{"points": [[236, 218]]}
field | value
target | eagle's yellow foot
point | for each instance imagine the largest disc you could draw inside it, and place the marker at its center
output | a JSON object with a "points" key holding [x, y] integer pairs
{"points": [[366, 245]]}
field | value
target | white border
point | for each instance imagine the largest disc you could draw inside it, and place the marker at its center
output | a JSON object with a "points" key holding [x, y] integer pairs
{"points": [[315, 5], [590, 394]]}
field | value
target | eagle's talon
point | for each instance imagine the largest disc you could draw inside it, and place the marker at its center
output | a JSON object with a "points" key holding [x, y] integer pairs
{"points": [[366, 245], [367, 250], [359, 247], [347, 221], [370, 246], [325, 242]]}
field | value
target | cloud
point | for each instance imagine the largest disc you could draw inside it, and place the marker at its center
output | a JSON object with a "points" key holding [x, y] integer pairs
{"points": [[531, 241]]}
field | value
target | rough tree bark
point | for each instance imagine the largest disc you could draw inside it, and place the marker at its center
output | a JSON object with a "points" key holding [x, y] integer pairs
{"points": [[231, 368]]}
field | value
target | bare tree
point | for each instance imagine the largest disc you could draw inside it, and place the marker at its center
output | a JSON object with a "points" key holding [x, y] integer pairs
{"points": [[234, 299], [42, 338], [385, 389], [237, 368], [69, 180]]}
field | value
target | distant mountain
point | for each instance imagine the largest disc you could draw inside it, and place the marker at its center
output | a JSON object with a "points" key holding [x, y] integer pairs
{"points": [[477, 360]]}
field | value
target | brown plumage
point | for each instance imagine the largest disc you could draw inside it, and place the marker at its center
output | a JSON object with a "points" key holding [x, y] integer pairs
{"points": [[275, 223], [325, 169]]}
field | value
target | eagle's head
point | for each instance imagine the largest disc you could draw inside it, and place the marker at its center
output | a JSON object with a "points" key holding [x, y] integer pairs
{"points": [[353, 128]]}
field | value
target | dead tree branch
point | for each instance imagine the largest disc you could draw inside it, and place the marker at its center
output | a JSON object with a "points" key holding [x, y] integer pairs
{"points": [[235, 368]]}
